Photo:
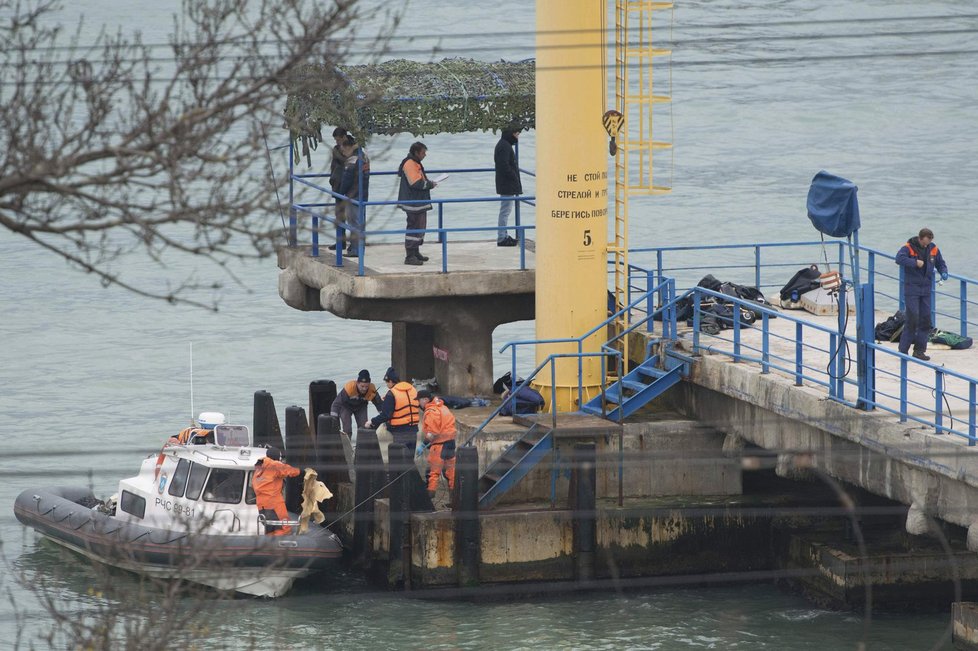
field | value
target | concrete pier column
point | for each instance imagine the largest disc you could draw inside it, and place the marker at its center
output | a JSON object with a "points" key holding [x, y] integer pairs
{"points": [[456, 349], [411, 349], [584, 503], [467, 533]]}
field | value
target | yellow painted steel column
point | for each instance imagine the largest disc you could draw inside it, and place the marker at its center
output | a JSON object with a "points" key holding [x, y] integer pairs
{"points": [[572, 192]]}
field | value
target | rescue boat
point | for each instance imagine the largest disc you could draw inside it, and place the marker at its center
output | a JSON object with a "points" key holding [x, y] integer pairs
{"points": [[190, 514]]}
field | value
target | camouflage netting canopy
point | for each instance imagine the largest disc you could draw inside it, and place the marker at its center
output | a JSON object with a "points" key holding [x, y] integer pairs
{"points": [[449, 96]]}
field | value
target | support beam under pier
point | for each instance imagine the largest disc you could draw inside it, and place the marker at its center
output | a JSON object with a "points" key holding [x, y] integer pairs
{"points": [[442, 322]]}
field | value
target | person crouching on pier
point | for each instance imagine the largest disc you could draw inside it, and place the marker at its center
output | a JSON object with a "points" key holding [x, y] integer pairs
{"points": [[352, 400], [270, 472], [439, 431]]}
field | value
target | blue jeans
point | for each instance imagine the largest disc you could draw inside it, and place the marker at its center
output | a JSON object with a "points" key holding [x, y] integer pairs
{"points": [[505, 207]]}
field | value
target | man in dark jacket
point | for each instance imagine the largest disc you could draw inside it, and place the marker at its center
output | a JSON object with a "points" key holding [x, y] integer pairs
{"points": [[508, 183], [337, 160], [919, 258], [356, 168]]}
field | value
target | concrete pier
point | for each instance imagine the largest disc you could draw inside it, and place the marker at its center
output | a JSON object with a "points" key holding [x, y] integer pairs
{"points": [[442, 322], [905, 462]]}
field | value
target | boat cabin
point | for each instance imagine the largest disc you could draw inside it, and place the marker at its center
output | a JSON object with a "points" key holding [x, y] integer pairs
{"points": [[196, 486]]}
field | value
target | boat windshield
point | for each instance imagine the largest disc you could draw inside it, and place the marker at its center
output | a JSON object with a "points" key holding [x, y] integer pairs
{"points": [[224, 486], [179, 481], [198, 473]]}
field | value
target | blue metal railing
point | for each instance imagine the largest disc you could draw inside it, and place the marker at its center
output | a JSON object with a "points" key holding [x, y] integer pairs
{"points": [[769, 266], [834, 378], [759, 267], [319, 215], [666, 288]]}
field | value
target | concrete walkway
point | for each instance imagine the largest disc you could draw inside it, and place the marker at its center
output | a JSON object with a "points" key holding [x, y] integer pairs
{"points": [[921, 398]]}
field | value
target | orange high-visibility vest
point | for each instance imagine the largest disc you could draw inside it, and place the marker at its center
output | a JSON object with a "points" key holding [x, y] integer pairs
{"points": [[351, 390], [407, 411]]}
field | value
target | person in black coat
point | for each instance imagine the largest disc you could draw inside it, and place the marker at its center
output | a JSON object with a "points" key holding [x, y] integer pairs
{"points": [[508, 183]]}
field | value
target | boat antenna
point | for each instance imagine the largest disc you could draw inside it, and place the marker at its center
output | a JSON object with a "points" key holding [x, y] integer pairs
{"points": [[191, 383]]}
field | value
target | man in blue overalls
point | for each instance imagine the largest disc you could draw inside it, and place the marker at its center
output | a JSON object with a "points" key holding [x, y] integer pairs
{"points": [[920, 258]]}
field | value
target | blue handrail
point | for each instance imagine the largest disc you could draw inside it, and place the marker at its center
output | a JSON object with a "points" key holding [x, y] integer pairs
{"points": [[358, 228], [886, 285], [834, 379], [606, 351]]}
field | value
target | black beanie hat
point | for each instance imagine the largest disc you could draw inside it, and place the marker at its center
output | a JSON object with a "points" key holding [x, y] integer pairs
{"points": [[364, 376], [424, 393], [273, 453], [391, 375]]}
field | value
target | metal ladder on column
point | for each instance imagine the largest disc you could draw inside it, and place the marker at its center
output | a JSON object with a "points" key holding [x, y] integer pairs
{"points": [[635, 99]]}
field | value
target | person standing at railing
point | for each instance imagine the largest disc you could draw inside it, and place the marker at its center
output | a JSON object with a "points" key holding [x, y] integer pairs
{"points": [[920, 258], [356, 176], [336, 163], [415, 186], [508, 184]]}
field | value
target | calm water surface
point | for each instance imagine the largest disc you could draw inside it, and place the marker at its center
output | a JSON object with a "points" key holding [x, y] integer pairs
{"points": [[84, 368]]}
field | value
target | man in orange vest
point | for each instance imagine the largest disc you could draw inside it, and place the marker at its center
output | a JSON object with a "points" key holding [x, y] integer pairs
{"points": [[270, 471], [400, 410], [439, 432], [351, 401]]}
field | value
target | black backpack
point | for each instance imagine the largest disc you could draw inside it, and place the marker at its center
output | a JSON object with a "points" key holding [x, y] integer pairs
{"points": [[805, 280], [890, 329]]}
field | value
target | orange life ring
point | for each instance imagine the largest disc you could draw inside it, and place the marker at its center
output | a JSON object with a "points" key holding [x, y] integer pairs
{"points": [[159, 463]]}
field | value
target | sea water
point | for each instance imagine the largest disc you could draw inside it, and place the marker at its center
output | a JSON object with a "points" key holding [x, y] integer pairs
{"points": [[765, 94]]}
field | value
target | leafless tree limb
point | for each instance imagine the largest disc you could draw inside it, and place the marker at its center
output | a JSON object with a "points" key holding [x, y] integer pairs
{"points": [[109, 148]]}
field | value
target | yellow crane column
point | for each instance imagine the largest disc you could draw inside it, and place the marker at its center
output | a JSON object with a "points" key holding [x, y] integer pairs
{"points": [[572, 192]]}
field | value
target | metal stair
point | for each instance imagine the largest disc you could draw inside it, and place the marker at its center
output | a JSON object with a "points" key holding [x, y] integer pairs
{"points": [[641, 386], [514, 464]]}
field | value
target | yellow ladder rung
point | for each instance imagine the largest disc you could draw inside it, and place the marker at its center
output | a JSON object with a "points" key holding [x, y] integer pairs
{"points": [[645, 53], [644, 145], [647, 191], [647, 99], [647, 5]]}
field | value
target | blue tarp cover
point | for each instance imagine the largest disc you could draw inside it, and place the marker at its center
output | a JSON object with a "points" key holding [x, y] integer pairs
{"points": [[832, 205]]}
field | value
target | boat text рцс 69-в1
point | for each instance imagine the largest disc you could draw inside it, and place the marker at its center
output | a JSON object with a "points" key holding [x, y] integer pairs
{"points": [[190, 514]]}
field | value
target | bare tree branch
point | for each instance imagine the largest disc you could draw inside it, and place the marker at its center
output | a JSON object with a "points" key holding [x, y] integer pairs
{"points": [[108, 149]]}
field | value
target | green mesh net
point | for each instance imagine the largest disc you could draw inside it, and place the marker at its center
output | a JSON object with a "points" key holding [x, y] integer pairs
{"points": [[399, 96]]}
